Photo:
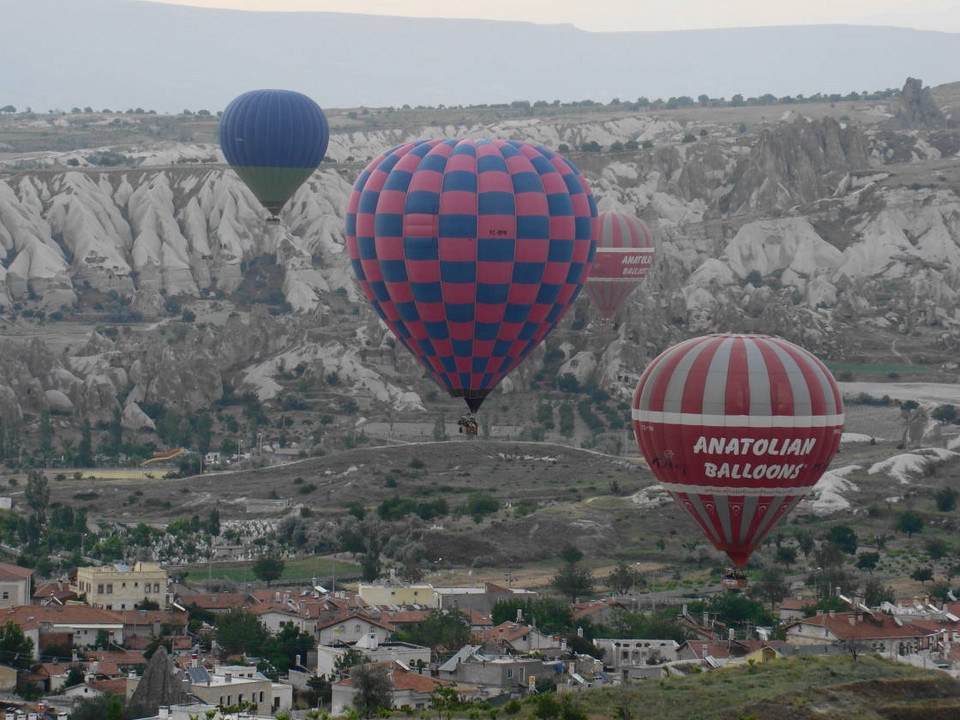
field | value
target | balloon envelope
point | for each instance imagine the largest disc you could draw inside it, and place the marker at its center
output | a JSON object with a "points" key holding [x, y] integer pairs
{"points": [[274, 139], [624, 254], [471, 251], [738, 429]]}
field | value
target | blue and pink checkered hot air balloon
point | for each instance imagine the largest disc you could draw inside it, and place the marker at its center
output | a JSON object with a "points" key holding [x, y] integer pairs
{"points": [[471, 251]]}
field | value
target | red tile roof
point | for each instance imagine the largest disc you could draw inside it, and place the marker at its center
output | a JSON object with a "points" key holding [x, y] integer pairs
{"points": [[478, 619], [107, 669], [404, 680], [587, 609], [883, 627], [508, 631], [14, 572], [144, 617], [58, 590], [353, 616], [24, 615], [116, 686], [404, 617], [53, 668], [127, 657], [714, 649], [217, 601]]}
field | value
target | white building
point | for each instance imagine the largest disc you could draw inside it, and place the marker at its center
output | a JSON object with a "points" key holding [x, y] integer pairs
{"points": [[410, 655], [14, 585], [234, 684]]}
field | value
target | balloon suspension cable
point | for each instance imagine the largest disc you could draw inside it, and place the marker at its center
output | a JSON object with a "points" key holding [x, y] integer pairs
{"points": [[473, 398]]}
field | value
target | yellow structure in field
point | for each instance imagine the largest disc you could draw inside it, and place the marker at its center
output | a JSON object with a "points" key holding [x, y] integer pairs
{"points": [[122, 587], [403, 595]]}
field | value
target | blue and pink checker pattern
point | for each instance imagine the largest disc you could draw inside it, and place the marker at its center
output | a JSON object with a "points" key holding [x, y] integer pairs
{"points": [[471, 251]]}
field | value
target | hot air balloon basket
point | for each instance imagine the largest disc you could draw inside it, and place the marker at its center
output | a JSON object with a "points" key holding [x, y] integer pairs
{"points": [[468, 425], [735, 580]]}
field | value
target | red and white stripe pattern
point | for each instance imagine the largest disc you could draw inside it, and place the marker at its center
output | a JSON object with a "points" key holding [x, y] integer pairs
{"points": [[624, 254], [738, 428]]}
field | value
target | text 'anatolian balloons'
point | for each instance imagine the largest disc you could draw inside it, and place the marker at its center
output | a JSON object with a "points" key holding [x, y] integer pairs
{"points": [[738, 429], [624, 254], [471, 251]]}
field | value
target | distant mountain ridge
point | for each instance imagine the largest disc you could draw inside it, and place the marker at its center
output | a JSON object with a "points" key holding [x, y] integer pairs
{"points": [[125, 53]]}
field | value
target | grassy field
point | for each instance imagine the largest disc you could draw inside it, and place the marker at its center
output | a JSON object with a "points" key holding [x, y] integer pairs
{"points": [[838, 688], [300, 569], [881, 370]]}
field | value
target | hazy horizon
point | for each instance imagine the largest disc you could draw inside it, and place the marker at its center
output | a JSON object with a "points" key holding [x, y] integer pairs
{"points": [[166, 57]]}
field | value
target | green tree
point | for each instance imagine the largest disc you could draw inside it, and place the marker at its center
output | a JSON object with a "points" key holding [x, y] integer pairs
{"points": [[910, 523], [946, 499], [622, 578], [348, 661], [213, 522], [37, 495], [16, 649], [548, 614], [944, 414], [239, 631], [937, 548], [546, 706], [46, 434], [868, 560], [573, 581], [786, 555], [85, 448], [939, 590], [480, 504], [771, 587], [373, 689], [370, 565], [442, 631], [321, 688], [805, 541], [733, 609], [445, 700], [116, 432], [922, 575], [875, 592], [268, 568], [570, 554], [629, 623], [844, 537], [105, 707], [75, 676]]}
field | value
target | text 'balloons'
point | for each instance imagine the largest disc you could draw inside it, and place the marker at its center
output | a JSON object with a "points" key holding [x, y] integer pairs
{"points": [[738, 429], [624, 254]]}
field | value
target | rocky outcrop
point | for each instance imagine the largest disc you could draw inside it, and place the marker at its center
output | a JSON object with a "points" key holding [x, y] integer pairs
{"points": [[918, 108], [163, 683], [796, 162]]}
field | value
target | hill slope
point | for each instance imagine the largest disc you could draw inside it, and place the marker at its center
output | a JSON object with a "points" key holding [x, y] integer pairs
{"points": [[350, 60]]}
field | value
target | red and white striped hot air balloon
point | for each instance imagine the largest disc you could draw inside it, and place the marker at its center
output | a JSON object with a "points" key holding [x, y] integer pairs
{"points": [[738, 428], [624, 254]]}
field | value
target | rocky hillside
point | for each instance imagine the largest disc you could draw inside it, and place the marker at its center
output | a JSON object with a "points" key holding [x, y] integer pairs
{"points": [[155, 281]]}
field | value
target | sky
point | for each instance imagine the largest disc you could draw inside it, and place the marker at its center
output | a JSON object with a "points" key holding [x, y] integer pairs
{"points": [[608, 15]]}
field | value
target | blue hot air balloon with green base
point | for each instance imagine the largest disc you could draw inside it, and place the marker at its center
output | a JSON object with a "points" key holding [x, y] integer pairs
{"points": [[274, 139]]}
